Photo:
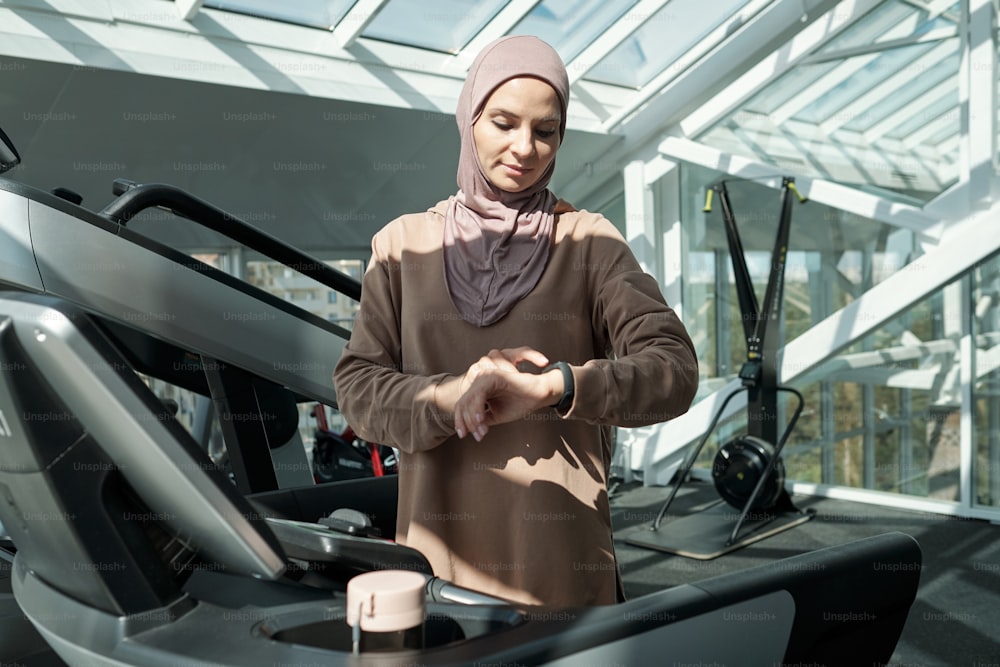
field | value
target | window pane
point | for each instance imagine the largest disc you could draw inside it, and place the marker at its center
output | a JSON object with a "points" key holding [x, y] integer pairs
{"points": [[316, 13], [571, 25], [892, 20], [895, 407], [661, 39], [443, 25]]}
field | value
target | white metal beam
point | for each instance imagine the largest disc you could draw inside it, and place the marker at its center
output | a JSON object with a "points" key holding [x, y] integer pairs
{"points": [[824, 192], [937, 35], [188, 9], [889, 357], [979, 96], [938, 7], [969, 358], [500, 25], [924, 378], [88, 8], [350, 27], [670, 238], [640, 220], [934, 8], [987, 361]]}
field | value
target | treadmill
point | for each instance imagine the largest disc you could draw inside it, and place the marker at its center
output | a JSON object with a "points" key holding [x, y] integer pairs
{"points": [[129, 547]]}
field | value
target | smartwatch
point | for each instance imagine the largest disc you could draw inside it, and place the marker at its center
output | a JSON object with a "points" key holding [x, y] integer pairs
{"points": [[569, 388]]}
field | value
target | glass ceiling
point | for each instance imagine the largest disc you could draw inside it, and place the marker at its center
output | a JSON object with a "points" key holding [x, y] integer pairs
{"points": [[875, 107]]}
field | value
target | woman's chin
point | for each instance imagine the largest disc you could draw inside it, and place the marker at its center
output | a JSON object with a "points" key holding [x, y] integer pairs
{"points": [[512, 185]]}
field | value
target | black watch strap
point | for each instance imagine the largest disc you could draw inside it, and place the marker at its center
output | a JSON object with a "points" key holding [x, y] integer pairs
{"points": [[569, 386]]}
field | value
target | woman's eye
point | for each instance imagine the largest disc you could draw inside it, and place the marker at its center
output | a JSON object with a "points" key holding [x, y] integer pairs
{"points": [[545, 134], [501, 126]]}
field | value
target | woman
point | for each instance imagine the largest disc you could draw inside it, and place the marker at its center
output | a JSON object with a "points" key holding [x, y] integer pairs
{"points": [[504, 458]]}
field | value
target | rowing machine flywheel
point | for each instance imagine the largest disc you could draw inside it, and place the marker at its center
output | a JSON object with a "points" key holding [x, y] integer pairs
{"points": [[739, 465]]}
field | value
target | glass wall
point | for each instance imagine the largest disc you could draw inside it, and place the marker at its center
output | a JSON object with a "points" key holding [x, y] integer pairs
{"points": [[833, 257], [885, 413]]}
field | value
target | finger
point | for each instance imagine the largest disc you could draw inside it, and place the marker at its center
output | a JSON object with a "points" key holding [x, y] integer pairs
{"points": [[472, 409], [481, 432], [464, 417], [485, 364], [501, 360], [482, 365], [475, 418], [517, 355]]}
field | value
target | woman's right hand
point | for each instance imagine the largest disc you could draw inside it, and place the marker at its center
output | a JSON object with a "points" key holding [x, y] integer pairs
{"points": [[494, 391]]}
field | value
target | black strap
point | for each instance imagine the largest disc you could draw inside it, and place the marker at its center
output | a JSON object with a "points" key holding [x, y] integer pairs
{"points": [[569, 386]]}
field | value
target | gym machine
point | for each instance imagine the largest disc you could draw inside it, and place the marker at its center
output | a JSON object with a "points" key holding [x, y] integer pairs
{"points": [[747, 471]]}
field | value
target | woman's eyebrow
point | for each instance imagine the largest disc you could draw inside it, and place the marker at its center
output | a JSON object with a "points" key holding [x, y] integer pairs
{"points": [[555, 118]]}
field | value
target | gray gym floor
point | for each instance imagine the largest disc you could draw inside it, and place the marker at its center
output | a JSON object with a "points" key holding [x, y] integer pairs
{"points": [[955, 620]]}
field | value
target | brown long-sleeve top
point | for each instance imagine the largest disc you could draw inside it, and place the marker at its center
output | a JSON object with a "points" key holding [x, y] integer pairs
{"points": [[524, 513]]}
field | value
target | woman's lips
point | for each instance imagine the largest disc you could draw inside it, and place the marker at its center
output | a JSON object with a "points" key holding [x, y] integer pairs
{"points": [[516, 170]]}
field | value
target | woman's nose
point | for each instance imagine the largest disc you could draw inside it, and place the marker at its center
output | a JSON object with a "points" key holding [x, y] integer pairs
{"points": [[523, 144]]}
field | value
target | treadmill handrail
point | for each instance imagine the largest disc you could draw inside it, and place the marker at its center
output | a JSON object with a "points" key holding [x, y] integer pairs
{"points": [[138, 198]]}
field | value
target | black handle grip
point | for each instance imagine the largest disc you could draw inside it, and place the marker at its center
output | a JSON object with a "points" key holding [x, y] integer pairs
{"points": [[134, 198]]}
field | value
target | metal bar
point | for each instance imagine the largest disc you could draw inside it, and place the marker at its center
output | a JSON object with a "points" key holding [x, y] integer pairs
{"points": [[692, 457], [770, 464], [749, 308], [134, 198]]}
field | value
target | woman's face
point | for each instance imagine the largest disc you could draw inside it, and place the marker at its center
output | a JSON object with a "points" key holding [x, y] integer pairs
{"points": [[517, 134]]}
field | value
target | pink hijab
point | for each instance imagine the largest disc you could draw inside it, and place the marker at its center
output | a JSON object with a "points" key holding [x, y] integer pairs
{"points": [[496, 243]]}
